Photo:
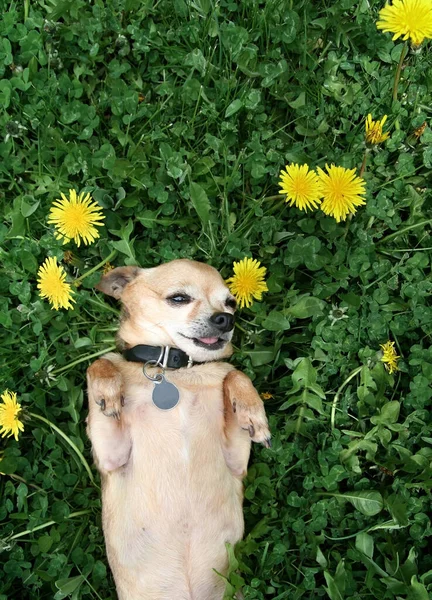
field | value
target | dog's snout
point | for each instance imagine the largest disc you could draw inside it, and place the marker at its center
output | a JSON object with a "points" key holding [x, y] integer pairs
{"points": [[223, 321]]}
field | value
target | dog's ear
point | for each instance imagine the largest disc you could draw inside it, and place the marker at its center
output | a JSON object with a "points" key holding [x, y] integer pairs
{"points": [[115, 281]]}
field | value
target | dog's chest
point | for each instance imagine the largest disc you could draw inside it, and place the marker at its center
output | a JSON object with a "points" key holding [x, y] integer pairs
{"points": [[195, 420]]}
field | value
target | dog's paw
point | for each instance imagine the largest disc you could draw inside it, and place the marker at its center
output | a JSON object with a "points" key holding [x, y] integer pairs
{"points": [[252, 418], [106, 388], [110, 401]]}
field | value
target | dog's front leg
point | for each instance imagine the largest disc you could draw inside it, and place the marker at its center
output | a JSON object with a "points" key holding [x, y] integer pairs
{"points": [[105, 384], [247, 406], [105, 428]]}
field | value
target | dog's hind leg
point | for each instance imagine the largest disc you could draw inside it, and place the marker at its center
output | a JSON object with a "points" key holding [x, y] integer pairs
{"points": [[109, 437]]}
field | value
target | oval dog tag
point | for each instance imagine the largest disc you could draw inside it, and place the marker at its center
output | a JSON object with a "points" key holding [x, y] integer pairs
{"points": [[165, 395]]}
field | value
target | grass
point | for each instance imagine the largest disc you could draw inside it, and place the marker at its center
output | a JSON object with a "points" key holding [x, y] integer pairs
{"points": [[177, 116]]}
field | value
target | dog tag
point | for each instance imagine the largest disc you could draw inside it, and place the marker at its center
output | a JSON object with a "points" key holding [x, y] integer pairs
{"points": [[165, 394]]}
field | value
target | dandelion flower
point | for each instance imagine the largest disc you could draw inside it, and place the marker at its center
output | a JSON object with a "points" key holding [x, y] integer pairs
{"points": [[419, 131], [107, 268], [52, 284], [76, 218], [248, 281], [389, 357], [341, 190], [300, 186], [374, 130], [68, 257], [266, 396], [10, 410], [337, 314], [407, 18]]}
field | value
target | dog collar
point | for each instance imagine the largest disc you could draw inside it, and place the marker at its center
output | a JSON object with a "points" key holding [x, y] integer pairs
{"points": [[163, 356]]}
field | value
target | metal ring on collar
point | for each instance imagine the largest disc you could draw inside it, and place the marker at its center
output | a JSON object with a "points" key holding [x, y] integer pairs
{"points": [[159, 377]]}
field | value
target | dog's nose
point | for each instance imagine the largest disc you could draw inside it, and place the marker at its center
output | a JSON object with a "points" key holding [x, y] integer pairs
{"points": [[223, 321]]}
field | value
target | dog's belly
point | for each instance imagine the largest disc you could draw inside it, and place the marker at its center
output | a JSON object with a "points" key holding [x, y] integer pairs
{"points": [[169, 512]]}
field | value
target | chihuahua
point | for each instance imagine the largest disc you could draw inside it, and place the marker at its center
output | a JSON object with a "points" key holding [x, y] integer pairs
{"points": [[171, 426]]}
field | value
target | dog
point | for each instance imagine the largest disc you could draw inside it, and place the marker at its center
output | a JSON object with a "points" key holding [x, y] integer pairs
{"points": [[171, 474]]}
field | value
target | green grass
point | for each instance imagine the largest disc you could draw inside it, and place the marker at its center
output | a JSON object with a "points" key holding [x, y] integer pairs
{"points": [[177, 117]]}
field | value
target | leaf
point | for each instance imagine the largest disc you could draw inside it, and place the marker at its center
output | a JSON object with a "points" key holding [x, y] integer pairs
{"points": [[28, 209], [45, 542], [299, 102], [398, 508], [196, 60], [8, 464], [234, 107], [67, 586], [314, 402], [276, 321], [304, 373], [332, 588], [364, 543], [200, 202], [320, 558], [389, 414], [306, 307], [28, 261], [260, 356], [316, 389], [389, 525], [5, 92], [125, 247], [291, 402], [368, 502], [417, 590]]}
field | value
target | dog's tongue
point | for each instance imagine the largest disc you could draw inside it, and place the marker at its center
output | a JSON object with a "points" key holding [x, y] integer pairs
{"points": [[209, 341]]}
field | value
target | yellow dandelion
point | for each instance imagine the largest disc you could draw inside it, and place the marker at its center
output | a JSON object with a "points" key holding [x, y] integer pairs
{"points": [[266, 396], [68, 257], [389, 357], [248, 281], [341, 190], [52, 284], [407, 18], [374, 130], [10, 410], [76, 218], [300, 187], [107, 268], [420, 130]]}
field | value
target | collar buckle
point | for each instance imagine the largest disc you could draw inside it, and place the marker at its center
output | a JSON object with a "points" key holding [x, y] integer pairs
{"points": [[165, 352], [162, 361]]}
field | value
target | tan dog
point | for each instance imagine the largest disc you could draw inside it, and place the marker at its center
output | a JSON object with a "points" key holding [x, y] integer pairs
{"points": [[172, 479]]}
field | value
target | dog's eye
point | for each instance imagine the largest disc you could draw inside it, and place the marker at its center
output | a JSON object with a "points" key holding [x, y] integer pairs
{"points": [[179, 299], [231, 302]]}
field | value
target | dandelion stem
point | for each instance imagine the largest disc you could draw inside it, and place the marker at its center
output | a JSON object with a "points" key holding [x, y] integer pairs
{"points": [[26, 9], [403, 230], [398, 71], [79, 513], [83, 359], [338, 393], [363, 165], [22, 480], [277, 197], [96, 268], [407, 250], [71, 444]]}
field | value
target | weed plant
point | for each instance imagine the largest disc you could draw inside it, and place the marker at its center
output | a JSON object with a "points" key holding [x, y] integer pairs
{"points": [[177, 117]]}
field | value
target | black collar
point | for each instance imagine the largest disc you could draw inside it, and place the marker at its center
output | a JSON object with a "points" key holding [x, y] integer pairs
{"points": [[164, 356]]}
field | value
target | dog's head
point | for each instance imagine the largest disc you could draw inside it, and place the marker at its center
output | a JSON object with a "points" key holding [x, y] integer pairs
{"points": [[183, 303]]}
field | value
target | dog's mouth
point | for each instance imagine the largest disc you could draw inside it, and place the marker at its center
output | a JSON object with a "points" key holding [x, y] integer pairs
{"points": [[209, 343]]}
